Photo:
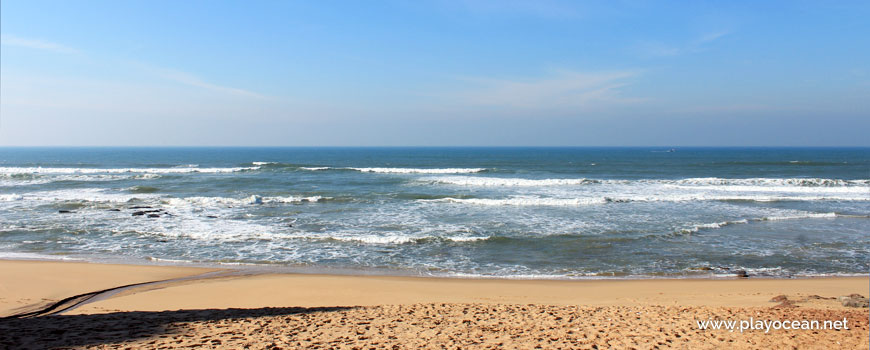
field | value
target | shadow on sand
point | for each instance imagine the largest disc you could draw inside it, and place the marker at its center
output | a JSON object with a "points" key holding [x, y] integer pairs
{"points": [[83, 330]]}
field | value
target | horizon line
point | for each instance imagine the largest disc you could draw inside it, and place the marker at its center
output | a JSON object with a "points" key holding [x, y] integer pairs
{"points": [[435, 146]]}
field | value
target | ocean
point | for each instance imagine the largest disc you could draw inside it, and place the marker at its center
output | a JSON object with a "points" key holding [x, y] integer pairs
{"points": [[462, 212]]}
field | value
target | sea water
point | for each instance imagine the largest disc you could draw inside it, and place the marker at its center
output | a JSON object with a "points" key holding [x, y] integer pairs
{"points": [[499, 212]]}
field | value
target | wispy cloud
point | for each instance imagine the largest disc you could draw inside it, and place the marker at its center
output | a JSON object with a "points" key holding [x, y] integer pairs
{"points": [[176, 76], [659, 49], [192, 80], [562, 90], [10, 40], [709, 37]]}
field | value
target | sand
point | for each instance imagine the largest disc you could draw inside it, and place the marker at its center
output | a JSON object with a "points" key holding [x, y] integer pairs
{"points": [[28, 285], [297, 311]]}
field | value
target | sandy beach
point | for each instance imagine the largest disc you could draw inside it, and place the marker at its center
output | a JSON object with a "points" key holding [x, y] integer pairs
{"points": [[201, 307]]}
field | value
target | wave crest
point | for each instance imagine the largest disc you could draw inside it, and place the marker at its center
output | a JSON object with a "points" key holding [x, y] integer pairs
{"points": [[420, 170], [250, 200], [41, 170], [701, 181], [543, 201]]}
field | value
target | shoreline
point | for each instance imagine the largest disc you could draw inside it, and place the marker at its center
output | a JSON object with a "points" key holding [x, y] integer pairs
{"points": [[277, 268]]}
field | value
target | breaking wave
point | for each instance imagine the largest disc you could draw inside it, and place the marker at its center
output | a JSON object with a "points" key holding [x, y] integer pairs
{"points": [[507, 182], [251, 200], [389, 239], [27, 179], [316, 168], [10, 197], [420, 170], [707, 181], [521, 201], [41, 170], [401, 170], [799, 216], [716, 225], [78, 195], [98, 195], [541, 201]]}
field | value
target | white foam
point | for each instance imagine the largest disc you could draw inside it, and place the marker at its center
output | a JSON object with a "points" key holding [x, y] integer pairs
{"points": [[808, 182], [419, 170], [10, 197], [800, 216], [532, 276], [402, 170], [497, 181], [289, 199], [706, 181], [729, 197], [263, 163], [467, 239], [714, 225], [591, 200], [18, 183], [521, 201], [187, 223], [376, 239], [175, 261], [805, 215], [386, 238], [41, 170], [316, 168], [32, 256], [21, 179], [84, 195], [226, 201]]}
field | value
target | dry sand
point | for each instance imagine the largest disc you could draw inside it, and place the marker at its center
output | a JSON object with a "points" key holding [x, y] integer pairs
{"points": [[27, 285], [294, 311]]}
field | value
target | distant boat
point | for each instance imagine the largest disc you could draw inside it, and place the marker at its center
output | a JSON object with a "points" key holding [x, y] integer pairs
{"points": [[672, 150]]}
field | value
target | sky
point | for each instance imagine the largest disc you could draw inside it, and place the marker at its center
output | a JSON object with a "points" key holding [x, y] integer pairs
{"points": [[434, 73]]}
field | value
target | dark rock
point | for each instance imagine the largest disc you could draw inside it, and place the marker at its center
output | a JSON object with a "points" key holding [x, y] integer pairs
{"points": [[211, 216], [153, 216], [703, 268], [154, 211], [65, 211], [141, 207], [114, 209], [741, 273], [139, 213]]}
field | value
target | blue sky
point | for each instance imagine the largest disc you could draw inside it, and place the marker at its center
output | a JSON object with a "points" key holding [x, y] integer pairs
{"points": [[429, 73]]}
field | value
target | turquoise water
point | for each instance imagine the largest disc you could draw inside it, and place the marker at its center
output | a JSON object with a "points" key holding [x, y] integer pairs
{"points": [[503, 212]]}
